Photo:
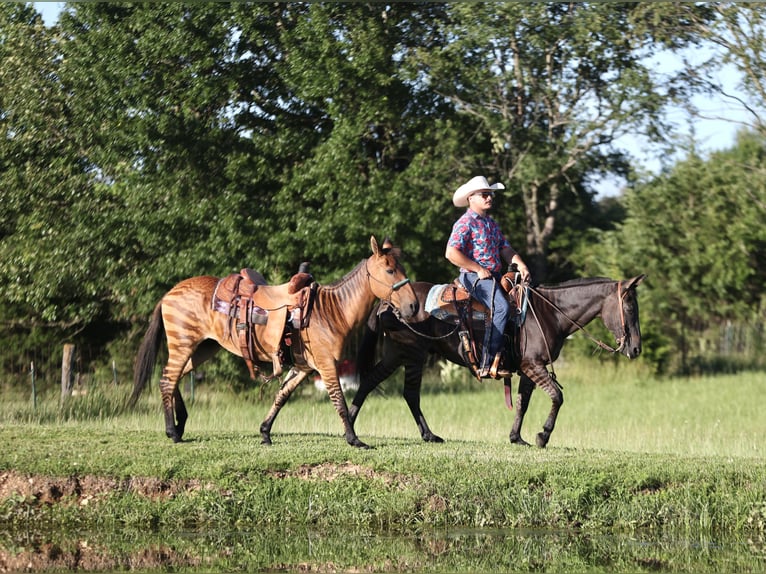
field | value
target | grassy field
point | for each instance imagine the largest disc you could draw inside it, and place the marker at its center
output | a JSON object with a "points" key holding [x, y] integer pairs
{"points": [[612, 407], [629, 451]]}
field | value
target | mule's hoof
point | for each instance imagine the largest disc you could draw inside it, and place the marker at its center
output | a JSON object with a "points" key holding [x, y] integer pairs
{"points": [[359, 444], [519, 441], [266, 440], [432, 438], [172, 435], [542, 439]]}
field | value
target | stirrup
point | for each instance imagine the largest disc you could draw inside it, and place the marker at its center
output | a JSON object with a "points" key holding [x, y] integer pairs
{"points": [[498, 372]]}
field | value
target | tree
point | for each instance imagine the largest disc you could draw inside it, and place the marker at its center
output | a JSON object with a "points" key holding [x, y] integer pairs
{"points": [[374, 131], [737, 38], [695, 231], [45, 193], [549, 88]]}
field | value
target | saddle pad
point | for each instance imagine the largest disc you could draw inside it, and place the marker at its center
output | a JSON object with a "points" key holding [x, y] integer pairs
{"points": [[446, 311], [434, 304]]}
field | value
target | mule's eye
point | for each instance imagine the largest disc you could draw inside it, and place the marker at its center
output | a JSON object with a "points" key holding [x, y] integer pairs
{"points": [[390, 271]]}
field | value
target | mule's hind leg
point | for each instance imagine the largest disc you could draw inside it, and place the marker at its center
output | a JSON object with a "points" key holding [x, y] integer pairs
{"points": [[543, 379], [173, 405], [181, 412], [202, 353], [291, 382], [526, 386]]}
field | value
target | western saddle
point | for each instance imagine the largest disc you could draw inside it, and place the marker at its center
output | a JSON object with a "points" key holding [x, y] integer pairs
{"points": [[263, 316], [453, 303]]}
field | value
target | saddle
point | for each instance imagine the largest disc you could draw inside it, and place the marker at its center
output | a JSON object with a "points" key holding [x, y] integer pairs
{"points": [[263, 315], [453, 304]]}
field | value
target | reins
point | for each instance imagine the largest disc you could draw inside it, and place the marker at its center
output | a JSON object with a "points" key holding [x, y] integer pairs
{"points": [[598, 342], [418, 333]]}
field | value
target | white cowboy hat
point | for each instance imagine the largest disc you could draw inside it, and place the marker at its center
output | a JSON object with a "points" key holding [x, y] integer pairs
{"points": [[478, 183]]}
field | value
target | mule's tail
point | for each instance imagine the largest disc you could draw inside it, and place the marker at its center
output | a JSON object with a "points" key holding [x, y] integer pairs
{"points": [[147, 354], [365, 356]]}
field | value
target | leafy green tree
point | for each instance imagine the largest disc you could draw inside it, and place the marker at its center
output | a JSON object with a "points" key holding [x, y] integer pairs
{"points": [[550, 87], [148, 142], [376, 132], [736, 37], [694, 230]]}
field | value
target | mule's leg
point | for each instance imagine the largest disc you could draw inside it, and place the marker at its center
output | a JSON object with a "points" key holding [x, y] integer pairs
{"points": [[171, 401], [290, 383], [543, 379], [204, 351], [328, 370], [171, 375], [526, 386], [368, 383], [181, 413], [413, 380]]}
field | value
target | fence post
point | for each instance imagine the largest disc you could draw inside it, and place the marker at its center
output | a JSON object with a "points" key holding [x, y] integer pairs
{"points": [[34, 388], [67, 377]]}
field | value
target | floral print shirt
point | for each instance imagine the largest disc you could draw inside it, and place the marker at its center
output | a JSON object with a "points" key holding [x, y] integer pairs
{"points": [[480, 238]]}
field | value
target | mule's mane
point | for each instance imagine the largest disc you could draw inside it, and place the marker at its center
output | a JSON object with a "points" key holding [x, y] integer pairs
{"points": [[581, 282], [343, 280]]}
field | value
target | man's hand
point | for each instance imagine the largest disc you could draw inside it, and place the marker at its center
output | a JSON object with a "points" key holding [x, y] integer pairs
{"points": [[524, 272], [484, 273]]}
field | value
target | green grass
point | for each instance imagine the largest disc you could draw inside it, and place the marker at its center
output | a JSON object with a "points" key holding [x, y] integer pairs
{"points": [[628, 452], [612, 407]]}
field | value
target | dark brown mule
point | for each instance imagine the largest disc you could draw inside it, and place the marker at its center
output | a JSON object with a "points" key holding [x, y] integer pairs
{"points": [[552, 315], [195, 332]]}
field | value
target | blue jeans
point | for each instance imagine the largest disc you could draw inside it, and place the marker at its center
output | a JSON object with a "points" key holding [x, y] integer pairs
{"points": [[488, 291]]}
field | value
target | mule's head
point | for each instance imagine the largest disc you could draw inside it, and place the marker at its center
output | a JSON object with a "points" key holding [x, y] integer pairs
{"points": [[388, 280], [620, 315]]}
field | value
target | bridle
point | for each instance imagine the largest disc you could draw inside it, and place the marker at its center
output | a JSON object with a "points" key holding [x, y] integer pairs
{"points": [[395, 287], [621, 341], [620, 300]]}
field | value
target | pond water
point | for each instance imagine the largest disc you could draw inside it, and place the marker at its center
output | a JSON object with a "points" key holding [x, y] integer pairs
{"points": [[278, 550]]}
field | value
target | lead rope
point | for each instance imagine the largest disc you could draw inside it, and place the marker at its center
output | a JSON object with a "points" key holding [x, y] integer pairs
{"points": [[398, 316], [552, 372]]}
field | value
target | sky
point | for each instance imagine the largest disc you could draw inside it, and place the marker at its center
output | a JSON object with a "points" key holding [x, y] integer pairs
{"points": [[717, 133]]}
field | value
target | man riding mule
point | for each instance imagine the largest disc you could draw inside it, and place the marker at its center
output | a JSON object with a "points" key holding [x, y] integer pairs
{"points": [[552, 313], [478, 247], [250, 319]]}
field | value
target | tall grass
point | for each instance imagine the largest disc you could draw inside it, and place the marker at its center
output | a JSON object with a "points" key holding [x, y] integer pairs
{"points": [[608, 406]]}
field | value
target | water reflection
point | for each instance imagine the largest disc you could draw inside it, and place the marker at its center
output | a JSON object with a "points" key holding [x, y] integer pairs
{"points": [[278, 550]]}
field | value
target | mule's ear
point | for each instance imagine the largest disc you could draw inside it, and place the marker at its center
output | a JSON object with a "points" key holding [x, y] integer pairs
{"points": [[387, 244], [636, 281], [374, 244]]}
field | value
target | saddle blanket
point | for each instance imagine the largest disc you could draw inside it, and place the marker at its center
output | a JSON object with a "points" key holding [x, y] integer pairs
{"points": [[445, 310]]}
